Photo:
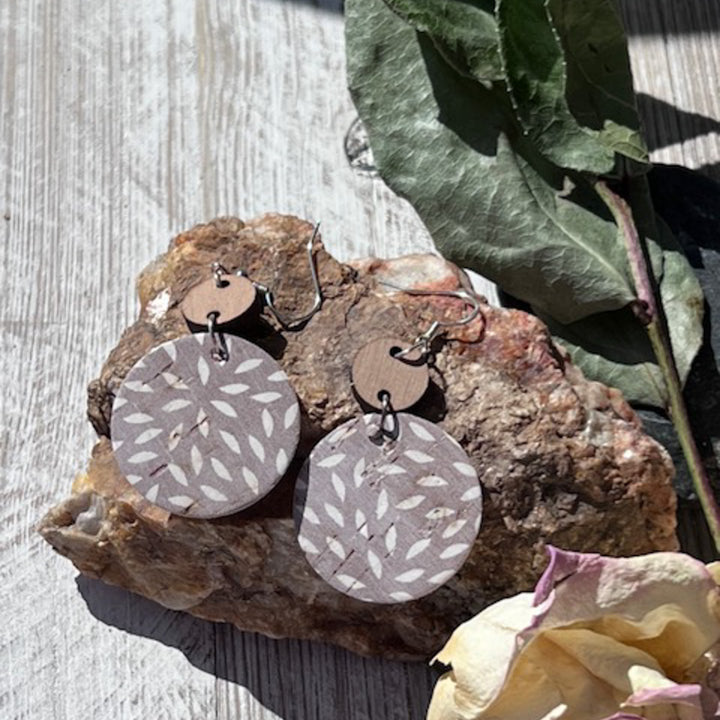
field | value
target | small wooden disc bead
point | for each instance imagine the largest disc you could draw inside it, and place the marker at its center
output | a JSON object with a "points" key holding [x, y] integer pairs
{"points": [[375, 370], [234, 296]]}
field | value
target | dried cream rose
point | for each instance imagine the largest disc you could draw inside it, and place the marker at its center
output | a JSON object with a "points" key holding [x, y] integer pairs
{"points": [[600, 639]]}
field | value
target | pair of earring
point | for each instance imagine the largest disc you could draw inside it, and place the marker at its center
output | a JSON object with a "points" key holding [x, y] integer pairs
{"points": [[388, 506], [207, 424]]}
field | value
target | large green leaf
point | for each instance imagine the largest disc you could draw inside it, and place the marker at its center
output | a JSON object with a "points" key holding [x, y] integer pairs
{"points": [[568, 75], [463, 31], [490, 200]]}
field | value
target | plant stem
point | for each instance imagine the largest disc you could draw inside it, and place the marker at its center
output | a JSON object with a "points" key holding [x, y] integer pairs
{"points": [[650, 313]]}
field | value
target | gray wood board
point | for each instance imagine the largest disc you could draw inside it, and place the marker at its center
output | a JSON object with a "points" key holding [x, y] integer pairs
{"points": [[122, 124]]}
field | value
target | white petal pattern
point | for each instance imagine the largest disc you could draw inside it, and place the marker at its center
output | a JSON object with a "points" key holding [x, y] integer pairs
{"points": [[213, 493], [178, 474], [247, 365], [311, 516], [432, 481], [410, 503], [175, 405], [224, 408], [338, 486], [267, 422], [141, 457], [417, 547], [382, 504], [391, 539], [251, 480], [138, 386], [471, 494], [181, 501], [306, 545], [196, 459], [220, 470], [442, 577], [440, 512], [420, 431], [334, 514], [465, 469], [174, 437], [137, 418], [375, 564], [266, 397], [281, 462], [419, 457], [410, 575], [234, 388], [453, 550], [350, 582], [332, 460], [335, 547], [257, 447], [290, 415], [147, 435], [454, 528], [358, 471], [231, 441], [203, 370], [392, 470]]}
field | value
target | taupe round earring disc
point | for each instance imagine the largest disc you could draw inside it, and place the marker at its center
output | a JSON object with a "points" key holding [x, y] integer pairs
{"points": [[375, 370], [389, 522], [234, 297], [203, 438]]}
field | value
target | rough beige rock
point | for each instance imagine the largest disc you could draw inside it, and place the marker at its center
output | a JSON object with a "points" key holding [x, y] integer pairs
{"points": [[562, 460]]}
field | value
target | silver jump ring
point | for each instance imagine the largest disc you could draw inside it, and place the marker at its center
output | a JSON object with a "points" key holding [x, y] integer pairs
{"points": [[383, 432], [219, 351]]}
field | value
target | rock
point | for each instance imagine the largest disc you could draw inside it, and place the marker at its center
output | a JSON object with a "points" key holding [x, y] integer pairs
{"points": [[562, 460]]}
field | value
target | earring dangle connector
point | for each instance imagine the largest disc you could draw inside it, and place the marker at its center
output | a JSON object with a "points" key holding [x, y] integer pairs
{"points": [[388, 505], [207, 424]]}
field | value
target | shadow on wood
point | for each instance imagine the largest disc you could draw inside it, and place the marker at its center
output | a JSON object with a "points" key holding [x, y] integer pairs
{"points": [[664, 124], [669, 17], [296, 680]]}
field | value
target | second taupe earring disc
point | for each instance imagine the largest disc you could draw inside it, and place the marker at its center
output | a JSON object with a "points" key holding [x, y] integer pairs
{"points": [[234, 296], [203, 438], [376, 370], [387, 522]]}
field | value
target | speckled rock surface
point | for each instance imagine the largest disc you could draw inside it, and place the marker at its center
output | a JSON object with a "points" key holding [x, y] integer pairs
{"points": [[562, 460]]}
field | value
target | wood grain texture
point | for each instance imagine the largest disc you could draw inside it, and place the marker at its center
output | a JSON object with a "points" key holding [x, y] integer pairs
{"points": [[121, 124]]}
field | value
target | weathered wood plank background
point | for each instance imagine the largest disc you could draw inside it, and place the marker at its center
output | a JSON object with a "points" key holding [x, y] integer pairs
{"points": [[121, 124]]}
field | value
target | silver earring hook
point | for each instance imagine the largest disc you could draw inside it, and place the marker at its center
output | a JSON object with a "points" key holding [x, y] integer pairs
{"points": [[218, 271], [424, 340], [266, 292]]}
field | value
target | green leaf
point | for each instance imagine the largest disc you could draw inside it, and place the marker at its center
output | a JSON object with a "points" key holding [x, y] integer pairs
{"points": [[490, 200], [614, 348], [568, 74], [463, 31]]}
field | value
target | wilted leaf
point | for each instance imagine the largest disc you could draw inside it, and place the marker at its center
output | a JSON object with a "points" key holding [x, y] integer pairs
{"points": [[571, 84], [490, 200], [613, 347], [463, 31]]}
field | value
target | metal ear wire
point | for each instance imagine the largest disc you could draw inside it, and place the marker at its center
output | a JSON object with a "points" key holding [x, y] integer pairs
{"points": [[424, 340], [267, 294]]}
